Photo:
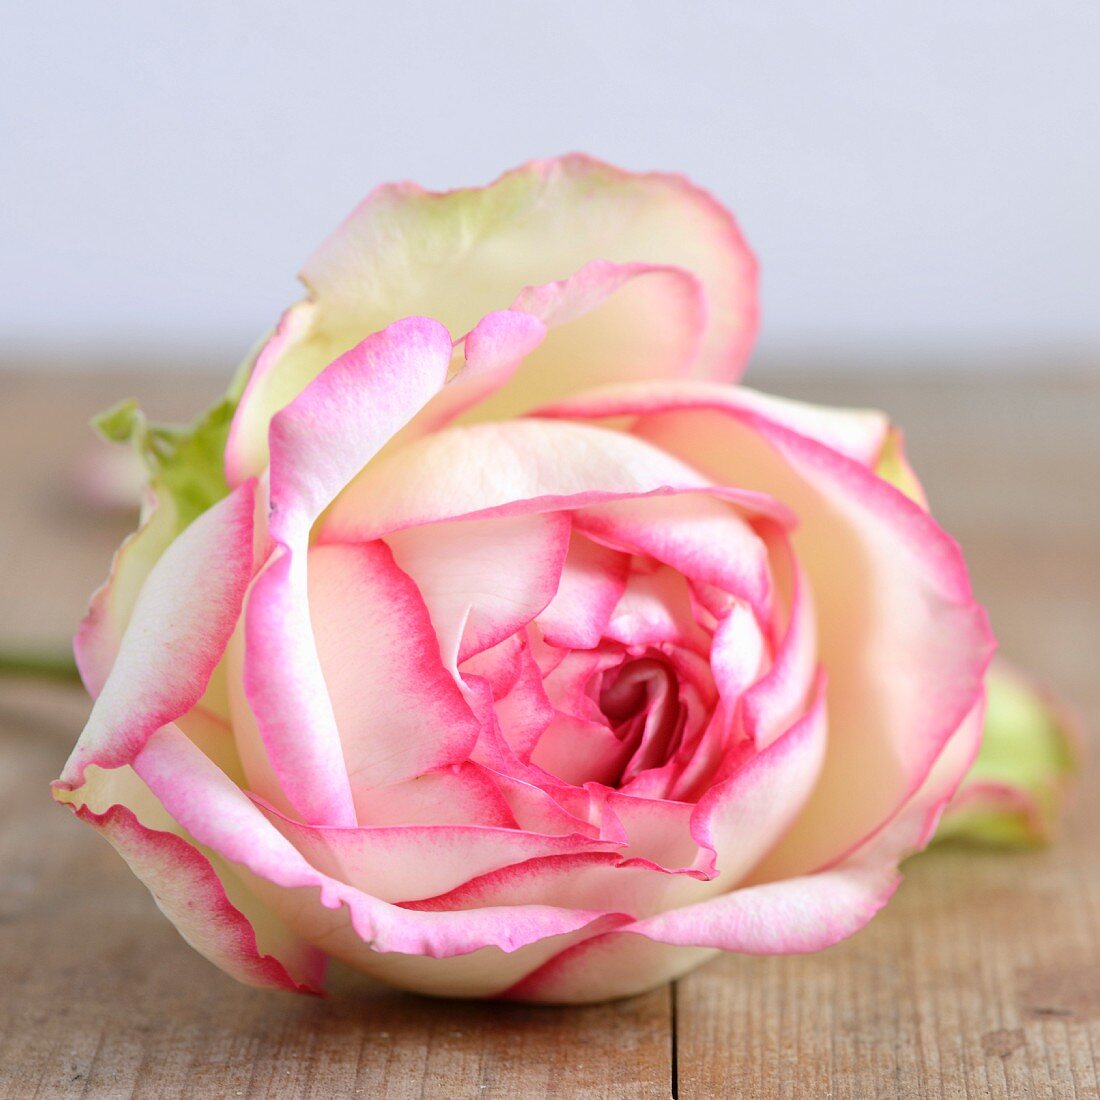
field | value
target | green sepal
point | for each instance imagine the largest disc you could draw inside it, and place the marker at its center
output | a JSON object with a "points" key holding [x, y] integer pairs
{"points": [[1014, 793]]}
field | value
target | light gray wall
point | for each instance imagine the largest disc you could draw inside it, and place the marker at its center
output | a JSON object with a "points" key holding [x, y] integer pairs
{"points": [[917, 176]]}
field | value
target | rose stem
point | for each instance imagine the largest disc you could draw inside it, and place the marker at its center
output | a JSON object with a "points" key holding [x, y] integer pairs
{"points": [[58, 665]]}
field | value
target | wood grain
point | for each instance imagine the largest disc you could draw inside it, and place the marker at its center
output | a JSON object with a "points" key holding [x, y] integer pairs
{"points": [[981, 979]]}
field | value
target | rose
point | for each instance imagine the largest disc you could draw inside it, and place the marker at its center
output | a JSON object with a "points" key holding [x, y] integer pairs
{"points": [[540, 664]]}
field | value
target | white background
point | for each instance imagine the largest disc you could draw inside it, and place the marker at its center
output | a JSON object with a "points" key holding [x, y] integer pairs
{"points": [[920, 179]]}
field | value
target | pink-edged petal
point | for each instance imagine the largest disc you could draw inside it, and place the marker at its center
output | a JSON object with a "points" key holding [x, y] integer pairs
{"points": [[270, 388], [858, 434], [578, 882], [577, 751], [461, 254], [283, 717], [607, 321], [658, 832], [404, 863], [398, 711], [777, 699], [791, 916], [99, 636], [318, 443], [900, 634], [331, 430], [698, 536], [810, 912], [606, 967], [741, 818], [190, 895], [198, 892], [516, 698], [480, 974], [491, 353], [221, 817], [462, 794], [737, 654], [483, 580], [655, 609], [181, 622], [592, 582], [536, 810], [514, 468]]}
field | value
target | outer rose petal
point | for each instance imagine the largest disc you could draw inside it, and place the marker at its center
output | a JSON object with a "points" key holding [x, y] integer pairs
{"points": [[461, 254], [790, 916], [605, 967], [181, 623], [859, 434], [221, 817], [491, 352], [318, 443], [190, 895], [402, 863], [517, 467], [99, 636], [614, 322], [900, 635], [199, 893]]}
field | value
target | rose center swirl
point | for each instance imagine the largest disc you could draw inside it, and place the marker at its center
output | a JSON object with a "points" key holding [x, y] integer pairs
{"points": [[640, 699]]}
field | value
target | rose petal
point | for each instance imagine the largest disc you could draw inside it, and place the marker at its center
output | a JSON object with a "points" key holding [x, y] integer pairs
{"points": [[592, 582], [606, 967], [515, 468], [398, 711], [738, 820], [459, 255], [181, 622], [483, 580], [403, 863], [318, 443], [220, 816], [700, 537], [198, 893], [614, 322], [902, 639]]}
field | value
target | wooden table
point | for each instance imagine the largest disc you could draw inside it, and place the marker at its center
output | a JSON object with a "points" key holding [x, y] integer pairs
{"points": [[982, 978]]}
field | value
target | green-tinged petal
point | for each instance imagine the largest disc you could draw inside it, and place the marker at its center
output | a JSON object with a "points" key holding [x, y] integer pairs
{"points": [[184, 478], [1014, 793], [456, 256], [893, 466]]}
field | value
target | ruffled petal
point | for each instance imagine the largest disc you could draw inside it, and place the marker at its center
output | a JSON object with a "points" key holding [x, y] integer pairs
{"points": [[517, 467], [181, 622], [483, 580], [398, 711], [196, 891], [903, 641], [221, 817], [459, 255], [318, 444]]}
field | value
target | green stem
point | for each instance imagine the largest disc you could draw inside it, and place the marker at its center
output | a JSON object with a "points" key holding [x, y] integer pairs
{"points": [[54, 665]]}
